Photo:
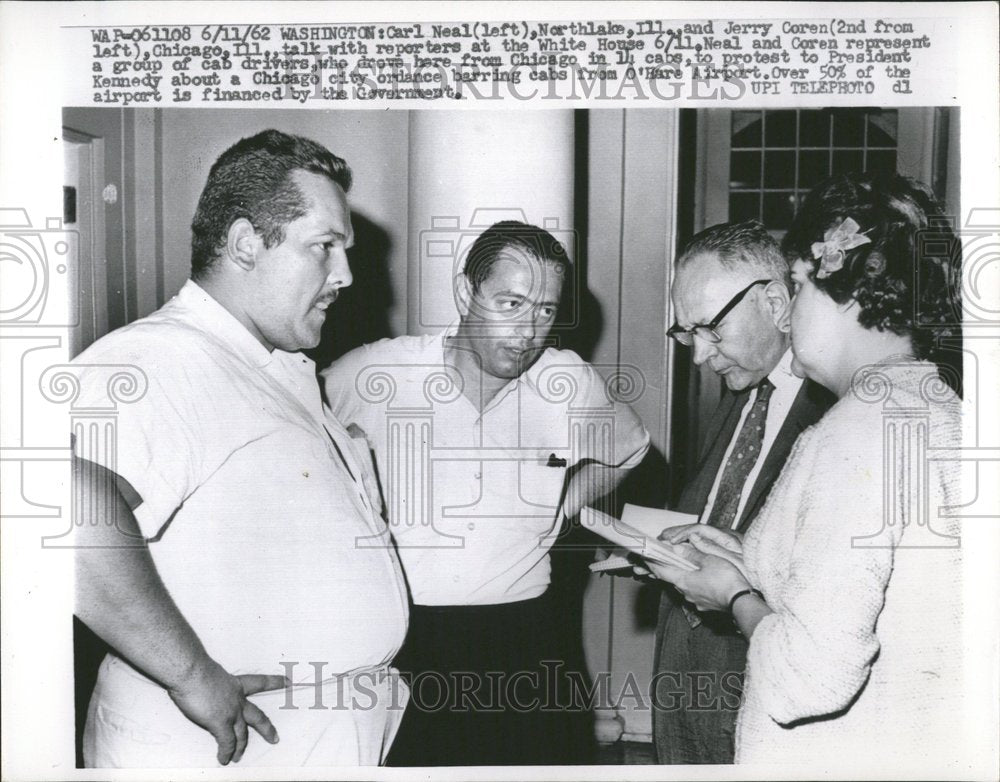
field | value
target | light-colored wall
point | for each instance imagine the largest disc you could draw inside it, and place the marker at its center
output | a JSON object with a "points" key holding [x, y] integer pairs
{"points": [[631, 193], [471, 169]]}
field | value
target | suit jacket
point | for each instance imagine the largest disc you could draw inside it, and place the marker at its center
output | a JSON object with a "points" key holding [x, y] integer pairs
{"points": [[705, 735], [810, 403]]}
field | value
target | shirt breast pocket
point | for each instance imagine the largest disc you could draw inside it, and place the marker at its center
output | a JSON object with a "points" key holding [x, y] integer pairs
{"points": [[541, 482]]}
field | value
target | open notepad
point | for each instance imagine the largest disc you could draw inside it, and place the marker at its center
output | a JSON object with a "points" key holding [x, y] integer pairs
{"points": [[637, 531]]}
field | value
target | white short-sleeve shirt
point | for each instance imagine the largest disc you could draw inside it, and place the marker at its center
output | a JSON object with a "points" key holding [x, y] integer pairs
{"points": [[254, 500], [472, 498]]}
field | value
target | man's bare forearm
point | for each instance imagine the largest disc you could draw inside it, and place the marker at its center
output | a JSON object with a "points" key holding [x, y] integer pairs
{"points": [[591, 482], [120, 595]]}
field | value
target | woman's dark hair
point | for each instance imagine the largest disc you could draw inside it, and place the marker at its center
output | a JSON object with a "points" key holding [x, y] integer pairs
{"points": [[907, 278], [253, 180]]}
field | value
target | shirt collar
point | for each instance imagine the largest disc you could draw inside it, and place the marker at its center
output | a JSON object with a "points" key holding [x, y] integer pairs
{"points": [[440, 343], [530, 376], [781, 376], [222, 325]]}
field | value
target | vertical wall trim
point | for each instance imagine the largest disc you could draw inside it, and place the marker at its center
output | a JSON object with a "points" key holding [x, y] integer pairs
{"points": [[411, 240], [142, 213], [670, 244], [618, 347], [158, 216], [712, 167], [915, 143], [99, 292], [621, 242], [126, 203], [648, 237]]}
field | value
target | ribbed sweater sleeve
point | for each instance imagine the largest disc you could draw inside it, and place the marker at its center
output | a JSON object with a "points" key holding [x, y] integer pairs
{"points": [[814, 654]]}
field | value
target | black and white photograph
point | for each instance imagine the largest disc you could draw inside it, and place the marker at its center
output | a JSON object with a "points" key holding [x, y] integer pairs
{"points": [[590, 399]]}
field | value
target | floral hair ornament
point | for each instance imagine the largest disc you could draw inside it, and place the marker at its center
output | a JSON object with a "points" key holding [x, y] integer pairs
{"points": [[836, 242]]}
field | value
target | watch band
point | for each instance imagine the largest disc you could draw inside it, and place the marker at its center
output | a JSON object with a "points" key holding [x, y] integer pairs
{"points": [[741, 593]]}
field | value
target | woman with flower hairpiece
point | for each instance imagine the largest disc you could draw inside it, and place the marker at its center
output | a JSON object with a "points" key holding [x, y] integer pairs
{"points": [[848, 585]]}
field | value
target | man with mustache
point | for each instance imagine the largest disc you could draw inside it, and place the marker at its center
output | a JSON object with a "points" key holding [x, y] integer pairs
{"points": [[731, 294], [217, 544], [480, 461]]}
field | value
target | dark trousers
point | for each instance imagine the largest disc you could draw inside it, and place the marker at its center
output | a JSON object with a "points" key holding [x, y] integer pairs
{"points": [[490, 686], [698, 685]]}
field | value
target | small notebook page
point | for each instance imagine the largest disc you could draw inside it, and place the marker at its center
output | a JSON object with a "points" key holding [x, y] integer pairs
{"points": [[652, 521], [636, 541]]}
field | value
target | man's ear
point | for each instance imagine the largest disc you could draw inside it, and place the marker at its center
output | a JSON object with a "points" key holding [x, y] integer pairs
{"points": [[779, 303], [242, 243], [463, 294]]}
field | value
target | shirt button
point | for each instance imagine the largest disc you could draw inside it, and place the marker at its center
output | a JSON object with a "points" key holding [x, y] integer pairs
{"points": [[472, 525], [478, 476]]}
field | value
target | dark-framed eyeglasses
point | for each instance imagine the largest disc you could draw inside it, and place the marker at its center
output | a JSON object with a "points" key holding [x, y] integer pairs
{"points": [[707, 331]]}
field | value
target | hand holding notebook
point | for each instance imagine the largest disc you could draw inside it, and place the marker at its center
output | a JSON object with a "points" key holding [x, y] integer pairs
{"points": [[638, 531]]}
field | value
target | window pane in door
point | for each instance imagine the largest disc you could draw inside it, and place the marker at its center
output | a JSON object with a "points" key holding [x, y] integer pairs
{"points": [[814, 166], [882, 129], [848, 128], [881, 161], [779, 128], [746, 129], [744, 206], [814, 129], [744, 170], [846, 161], [777, 156], [779, 168], [778, 210]]}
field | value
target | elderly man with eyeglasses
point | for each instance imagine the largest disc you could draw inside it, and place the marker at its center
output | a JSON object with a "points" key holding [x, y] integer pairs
{"points": [[731, 297]]}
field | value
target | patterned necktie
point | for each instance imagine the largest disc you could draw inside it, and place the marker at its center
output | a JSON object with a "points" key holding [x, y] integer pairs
{"points": [[741, 460]]}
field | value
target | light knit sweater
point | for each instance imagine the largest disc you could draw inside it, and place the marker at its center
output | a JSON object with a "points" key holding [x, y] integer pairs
{"points": [[856, 556]]}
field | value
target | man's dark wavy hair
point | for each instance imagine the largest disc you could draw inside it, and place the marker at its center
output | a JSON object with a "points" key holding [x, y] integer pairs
{"points": [[253, 180], [513, 235], [907, 280]]}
